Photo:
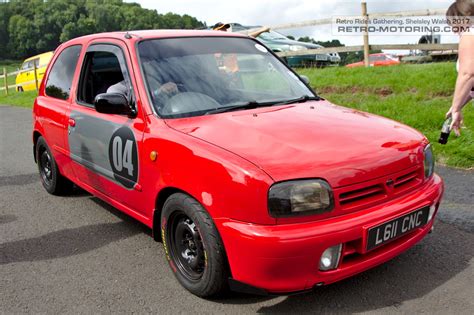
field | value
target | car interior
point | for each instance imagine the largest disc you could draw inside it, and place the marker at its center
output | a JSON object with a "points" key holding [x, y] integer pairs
{"points": [[101, 70]]}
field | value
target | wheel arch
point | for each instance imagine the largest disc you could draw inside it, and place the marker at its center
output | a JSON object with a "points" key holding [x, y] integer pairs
{"points": [[36, 135], [161, 198]]}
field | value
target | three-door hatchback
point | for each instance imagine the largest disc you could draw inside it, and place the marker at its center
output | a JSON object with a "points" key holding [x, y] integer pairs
{"points": [[251, 180]]}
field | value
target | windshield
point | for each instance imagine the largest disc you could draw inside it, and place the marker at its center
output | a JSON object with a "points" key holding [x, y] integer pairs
{"points": [[272, 35], [197, 76]]}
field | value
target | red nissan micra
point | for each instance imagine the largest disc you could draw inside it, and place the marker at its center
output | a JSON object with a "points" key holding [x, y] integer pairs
{"points": [[251, 180]]}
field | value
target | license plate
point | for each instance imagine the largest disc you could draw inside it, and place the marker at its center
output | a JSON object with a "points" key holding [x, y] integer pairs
{"points": [[321, 57], [388, 231]]}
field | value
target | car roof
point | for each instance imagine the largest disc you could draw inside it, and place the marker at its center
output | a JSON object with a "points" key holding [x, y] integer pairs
{"points": [[150, 34], [46, 54]]}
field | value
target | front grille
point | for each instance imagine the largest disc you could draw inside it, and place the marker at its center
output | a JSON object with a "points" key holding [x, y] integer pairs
{"points": [[364, 194], [406, 181]]}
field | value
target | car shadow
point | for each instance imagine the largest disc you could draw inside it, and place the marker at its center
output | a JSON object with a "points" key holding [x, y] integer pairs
{"points": [[7, 218], [19, 180], [71, 241], [438, 258], [119, 214]]}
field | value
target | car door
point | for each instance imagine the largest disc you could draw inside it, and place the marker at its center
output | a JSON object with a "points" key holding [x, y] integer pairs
{"points": [[31, 75], [104, 147], [23, 76], [53, 104], [42, 64]]}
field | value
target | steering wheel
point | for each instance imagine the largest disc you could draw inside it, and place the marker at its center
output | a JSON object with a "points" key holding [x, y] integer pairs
{"points": [[188, 102]]}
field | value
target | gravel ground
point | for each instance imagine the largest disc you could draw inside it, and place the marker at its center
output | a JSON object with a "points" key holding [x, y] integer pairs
{"points": [[76, 254]]}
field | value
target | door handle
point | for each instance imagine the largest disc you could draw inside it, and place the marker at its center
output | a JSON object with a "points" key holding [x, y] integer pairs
{"points": [[72, 122]]}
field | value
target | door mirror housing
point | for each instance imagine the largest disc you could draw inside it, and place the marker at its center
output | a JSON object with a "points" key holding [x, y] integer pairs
{"points": [[113, 103], [305, 79]]}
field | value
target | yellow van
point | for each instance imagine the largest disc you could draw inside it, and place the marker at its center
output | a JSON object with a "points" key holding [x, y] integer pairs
{"points": [[25, 79]]}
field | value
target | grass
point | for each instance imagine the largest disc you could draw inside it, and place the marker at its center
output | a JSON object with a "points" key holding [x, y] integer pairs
{"points": [[417, 95], [24, 99]]}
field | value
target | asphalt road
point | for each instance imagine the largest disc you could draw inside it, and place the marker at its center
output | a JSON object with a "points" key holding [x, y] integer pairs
{"points": [[76, 254]]}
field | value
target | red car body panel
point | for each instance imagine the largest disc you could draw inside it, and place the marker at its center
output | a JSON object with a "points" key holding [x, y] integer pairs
{"points": [[303, 144], [228, 162], [285, 257]]}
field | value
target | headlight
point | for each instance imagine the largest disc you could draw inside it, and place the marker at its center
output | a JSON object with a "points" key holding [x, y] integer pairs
{"points": [[297, 48], [429, 161], [300, 197]]}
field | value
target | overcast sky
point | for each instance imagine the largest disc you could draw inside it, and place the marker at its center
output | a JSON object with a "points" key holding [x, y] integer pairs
{"points": [[271, 12]]}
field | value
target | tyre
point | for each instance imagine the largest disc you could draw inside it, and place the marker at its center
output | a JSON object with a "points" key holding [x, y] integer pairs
{"points": [[193, 247], [52, 180]]}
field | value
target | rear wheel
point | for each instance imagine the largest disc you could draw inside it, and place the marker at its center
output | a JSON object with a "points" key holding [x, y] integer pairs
{"points": [[193, 247], [52, 180]]}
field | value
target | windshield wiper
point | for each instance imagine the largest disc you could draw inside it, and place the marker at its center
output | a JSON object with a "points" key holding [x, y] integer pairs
{"points": [[301, 99], [248, 105], [255, 104]]}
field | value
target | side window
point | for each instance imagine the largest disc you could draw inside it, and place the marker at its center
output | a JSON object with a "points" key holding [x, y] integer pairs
{"points": [[25, 65], [62, 73], [103, 71]]}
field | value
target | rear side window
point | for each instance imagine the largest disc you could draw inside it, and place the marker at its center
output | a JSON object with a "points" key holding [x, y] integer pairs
{"points": [[61, 75]]}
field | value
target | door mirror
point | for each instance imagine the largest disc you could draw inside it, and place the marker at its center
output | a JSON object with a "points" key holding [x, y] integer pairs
{"points": [[305, 79], [113, 103]]}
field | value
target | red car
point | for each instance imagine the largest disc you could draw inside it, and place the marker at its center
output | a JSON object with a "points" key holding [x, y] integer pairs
{"points": [[377, 60], [250, 179]]}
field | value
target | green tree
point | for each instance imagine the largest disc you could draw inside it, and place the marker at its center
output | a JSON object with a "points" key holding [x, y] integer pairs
{"points": [[31, 27], [4, 20]]}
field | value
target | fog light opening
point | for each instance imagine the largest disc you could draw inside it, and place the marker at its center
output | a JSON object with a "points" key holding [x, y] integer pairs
{"points": [[330, 258]]}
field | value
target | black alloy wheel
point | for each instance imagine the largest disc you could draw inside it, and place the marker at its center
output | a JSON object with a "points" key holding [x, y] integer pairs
{"points": [[186, 246]]}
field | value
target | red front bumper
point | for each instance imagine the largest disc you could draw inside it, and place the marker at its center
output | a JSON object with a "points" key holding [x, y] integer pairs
{"points": [[285, 258]]}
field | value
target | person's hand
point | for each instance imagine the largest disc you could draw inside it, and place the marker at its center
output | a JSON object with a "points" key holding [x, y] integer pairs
{"points": [[168, 88], [457, 118]]}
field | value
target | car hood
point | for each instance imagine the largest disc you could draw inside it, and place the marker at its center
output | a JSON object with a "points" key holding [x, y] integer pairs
{"points": [[311, 140]]}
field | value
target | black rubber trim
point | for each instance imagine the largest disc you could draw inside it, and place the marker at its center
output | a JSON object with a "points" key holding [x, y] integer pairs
{"points": [[241, 287]]}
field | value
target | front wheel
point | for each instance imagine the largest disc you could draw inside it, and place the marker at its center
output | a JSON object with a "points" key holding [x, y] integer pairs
{"points": [[193, 246]]}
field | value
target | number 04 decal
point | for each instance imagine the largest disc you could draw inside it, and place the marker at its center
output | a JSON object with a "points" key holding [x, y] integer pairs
{"points": [[123, 157]]}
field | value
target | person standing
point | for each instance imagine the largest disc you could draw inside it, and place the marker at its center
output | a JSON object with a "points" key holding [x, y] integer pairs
{"points": [[230, 62], [464, 90]]}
